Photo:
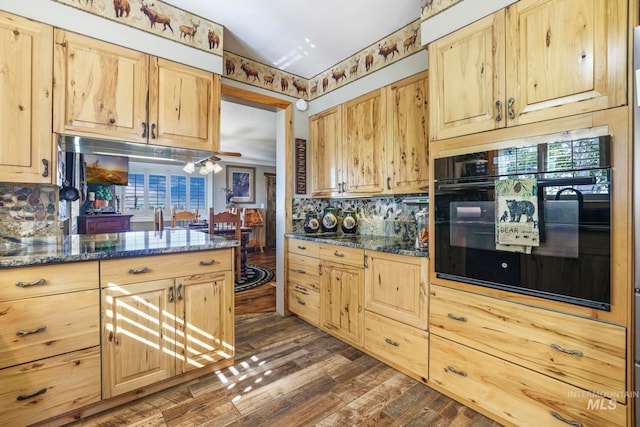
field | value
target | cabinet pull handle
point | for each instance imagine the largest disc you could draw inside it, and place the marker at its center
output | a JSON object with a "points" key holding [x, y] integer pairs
{"points": [[153, 131], [393, 343], [45, 172], [302, 248], [36, 283], [170, 293], [344, 187], [388, 183], [510, 112], [301, 271], [366, 261], [29, 396], [576, 353], [454, 317], [300, 301], [564, 420], [455, 371], [139, 271], [338, 254], [302, 290], [499, 107], [180, 292], [319, 269], [205, 263], [35, 331], [144, 129]]}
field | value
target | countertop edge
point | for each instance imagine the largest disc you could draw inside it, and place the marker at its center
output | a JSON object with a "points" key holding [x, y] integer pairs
{"points": [[386, 244]]}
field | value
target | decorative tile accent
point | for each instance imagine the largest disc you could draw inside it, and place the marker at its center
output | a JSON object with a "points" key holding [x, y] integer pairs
{"points": [[159, 18], [433, 7], [29, 210]]}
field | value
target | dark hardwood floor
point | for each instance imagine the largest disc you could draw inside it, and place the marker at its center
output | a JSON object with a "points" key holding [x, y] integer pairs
{"points": [[289, 373]]}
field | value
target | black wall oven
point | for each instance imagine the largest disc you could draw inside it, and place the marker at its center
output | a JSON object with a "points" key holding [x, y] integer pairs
{"points": [[573, 258]]}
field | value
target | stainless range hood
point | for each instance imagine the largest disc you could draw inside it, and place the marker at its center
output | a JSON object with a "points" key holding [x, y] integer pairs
{"points": [[154, 153]]}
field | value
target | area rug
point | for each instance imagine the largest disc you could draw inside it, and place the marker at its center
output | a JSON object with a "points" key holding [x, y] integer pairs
{"points": [[257, 275]]}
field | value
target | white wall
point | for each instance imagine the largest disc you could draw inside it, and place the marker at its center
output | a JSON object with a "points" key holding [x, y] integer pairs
{"points": [[75, 20]]}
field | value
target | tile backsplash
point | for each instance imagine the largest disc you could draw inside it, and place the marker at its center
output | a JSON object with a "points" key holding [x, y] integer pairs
{"points": [[384, 216], [29, 210]]}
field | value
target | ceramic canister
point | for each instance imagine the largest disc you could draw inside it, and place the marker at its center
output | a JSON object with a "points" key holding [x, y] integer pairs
{"points": [[349, 221], [311, 223], [329, 220]]}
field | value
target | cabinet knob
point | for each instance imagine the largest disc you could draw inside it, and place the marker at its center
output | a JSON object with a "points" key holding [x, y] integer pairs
{"points": [[112, 121]]}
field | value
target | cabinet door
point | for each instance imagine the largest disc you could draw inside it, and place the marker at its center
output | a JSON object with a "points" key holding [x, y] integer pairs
{"points": [[26, 153], [205, 320], [565, 57], [467, 79], [396, 286], [100, 89], [324, 143], [341, 302], [138, 335], [184, 106], [407, 135], [363, 144]]}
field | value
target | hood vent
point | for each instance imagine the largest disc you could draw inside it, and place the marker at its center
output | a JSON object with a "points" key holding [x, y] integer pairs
{"points": [[154, 153]]}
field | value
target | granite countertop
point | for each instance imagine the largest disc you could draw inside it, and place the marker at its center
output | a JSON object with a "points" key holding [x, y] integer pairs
{"points": [[86, 247], [394, 245]]}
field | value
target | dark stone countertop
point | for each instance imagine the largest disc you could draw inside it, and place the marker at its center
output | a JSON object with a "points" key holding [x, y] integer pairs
{"points": [[86, 247], [394, 245]]}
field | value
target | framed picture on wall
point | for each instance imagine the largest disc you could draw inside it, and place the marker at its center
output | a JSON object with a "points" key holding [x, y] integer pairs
{"points": [[242, 181]]}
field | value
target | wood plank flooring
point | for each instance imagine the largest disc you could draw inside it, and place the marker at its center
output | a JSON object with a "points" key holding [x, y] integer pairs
{"points": [[262, 299], [289, 373]]}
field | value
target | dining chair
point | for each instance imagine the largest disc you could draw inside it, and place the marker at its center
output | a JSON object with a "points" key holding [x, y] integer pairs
{"points": [[228, 224], [158, 219], [183, 218]]}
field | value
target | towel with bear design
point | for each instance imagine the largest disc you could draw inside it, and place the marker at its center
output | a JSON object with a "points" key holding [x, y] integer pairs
{"points": [[517, 214]]}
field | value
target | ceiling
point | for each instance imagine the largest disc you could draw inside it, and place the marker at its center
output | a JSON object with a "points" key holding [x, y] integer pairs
{"points": [[300, 37]]}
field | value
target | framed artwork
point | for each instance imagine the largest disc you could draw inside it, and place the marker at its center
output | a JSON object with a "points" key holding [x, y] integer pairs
{"points": [[242, 182]]}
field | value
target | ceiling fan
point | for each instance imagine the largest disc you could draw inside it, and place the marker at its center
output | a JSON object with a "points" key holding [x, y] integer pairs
{"points": [[215, 157], [210, 163]]}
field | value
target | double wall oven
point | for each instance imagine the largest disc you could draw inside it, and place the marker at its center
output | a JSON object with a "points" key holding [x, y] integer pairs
{"points": [[571, 262]]}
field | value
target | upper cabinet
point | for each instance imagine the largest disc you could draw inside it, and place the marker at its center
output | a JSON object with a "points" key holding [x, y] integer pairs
{"points": [[374, 144], [107, 91], [533, 61], [324, 143], [26, 57]]}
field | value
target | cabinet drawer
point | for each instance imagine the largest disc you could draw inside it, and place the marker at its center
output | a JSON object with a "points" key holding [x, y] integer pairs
{"points": [[28, 282], [304, 247], [402, 346], [33, 329], [586, 353], [342, 254], [305, 302], [301, 262], [132, 270], [58, 385], [515, 394]]}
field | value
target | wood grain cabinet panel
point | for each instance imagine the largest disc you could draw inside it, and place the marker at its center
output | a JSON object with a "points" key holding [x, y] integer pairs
{"points": [[305, 302], [396, 286], [35, 391], [107, 91], [516, 66], [585, 353], [303, 285], [325, 152], [342, 254], [26, 58], [515, 395], [304, 247]]}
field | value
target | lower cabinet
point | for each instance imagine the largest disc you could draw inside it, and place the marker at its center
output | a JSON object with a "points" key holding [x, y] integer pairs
{"points": [[156, 329], [303, 280], [49, 341], [515, 395]]}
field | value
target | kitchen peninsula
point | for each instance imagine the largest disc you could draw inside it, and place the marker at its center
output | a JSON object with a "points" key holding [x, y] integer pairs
{"points": [[141, 310]]}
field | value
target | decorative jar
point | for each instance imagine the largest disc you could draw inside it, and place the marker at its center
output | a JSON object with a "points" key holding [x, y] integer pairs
{"points": [[349, 221], [330, 220], [311, 223]]}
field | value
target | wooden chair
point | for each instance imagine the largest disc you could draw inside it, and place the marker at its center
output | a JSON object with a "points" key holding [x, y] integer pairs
{"points": [[183, 218], [228, 224], [158, 219], [253, 219]]}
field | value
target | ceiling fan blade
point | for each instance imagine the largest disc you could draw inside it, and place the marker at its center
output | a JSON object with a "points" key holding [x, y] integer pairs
{"points": [[228, 153], [215, 158]]}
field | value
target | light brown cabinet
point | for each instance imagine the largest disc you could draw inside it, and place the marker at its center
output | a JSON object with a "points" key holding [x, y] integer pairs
{"points": [[49, 359], [303, 280], [178, 320], [107, 91], [510, 68], [342, 292], [374, 144], [515, 395], [26, 58]]}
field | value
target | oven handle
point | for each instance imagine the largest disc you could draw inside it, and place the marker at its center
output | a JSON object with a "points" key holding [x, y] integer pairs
{"points": [[582, 180]]}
